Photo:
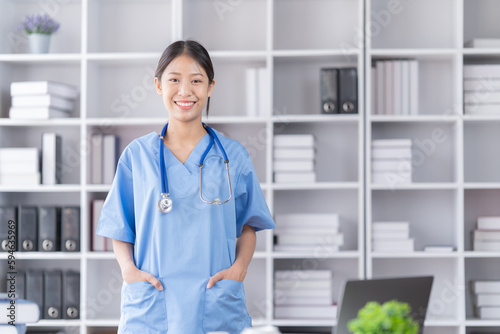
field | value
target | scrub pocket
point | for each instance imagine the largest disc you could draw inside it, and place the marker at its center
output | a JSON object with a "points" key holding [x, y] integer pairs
{"points": [[144, 309], [225, 308]]}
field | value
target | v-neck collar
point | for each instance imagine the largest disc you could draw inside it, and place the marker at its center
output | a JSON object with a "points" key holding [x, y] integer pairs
{"points": [[193, 160]]}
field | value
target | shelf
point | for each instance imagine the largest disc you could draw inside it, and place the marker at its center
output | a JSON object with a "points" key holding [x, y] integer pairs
{"points": [[417, 186], [304, 323], [481, 118], [317, 185], [482, 185], [42, 256], [415, 118], [283, 118], [55, 323], [414, 255], [475, 255], [316, 53], [42, 122], [42, 188], [319, 254], [21, 58], [414, 53], [482, 323]]}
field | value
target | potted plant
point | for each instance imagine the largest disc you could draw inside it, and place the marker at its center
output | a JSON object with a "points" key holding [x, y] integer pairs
{"points": [[39, 29], [391, 317]]}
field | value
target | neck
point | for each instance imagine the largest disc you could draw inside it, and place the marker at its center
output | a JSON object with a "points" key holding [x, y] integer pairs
{"points": [[184, 132]]}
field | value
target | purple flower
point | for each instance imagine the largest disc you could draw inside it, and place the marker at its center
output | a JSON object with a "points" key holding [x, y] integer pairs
{"points": [[38, 24]]}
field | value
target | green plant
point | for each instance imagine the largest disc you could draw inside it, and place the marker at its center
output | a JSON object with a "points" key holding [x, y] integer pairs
{"points": [[391, 317], [38, 24]]}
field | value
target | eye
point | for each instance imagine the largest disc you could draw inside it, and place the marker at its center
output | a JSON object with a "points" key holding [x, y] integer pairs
{"points": [[173, 80], [197, 81]]}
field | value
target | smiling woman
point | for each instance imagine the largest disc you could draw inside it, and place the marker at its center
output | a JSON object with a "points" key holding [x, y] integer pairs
{"points": [[184, 263]]}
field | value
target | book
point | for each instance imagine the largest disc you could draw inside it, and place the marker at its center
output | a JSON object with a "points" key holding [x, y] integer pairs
{"points": [[110, 155], [10, 329], [487, 246], [49, 101], [482, 109], [390, 235], [60, 89], [380, 69], [22, 154], [293, 284], [294, 153], [7, 167], [396, 91], [262, 91], [305, 312], [391, 226], [96, 159], [294, 140], [26, 311], [307, 219], [389, 87], [302, 293], [36, 113], [439, 249], [374, 91], [51, 158], [290, 177], [479, 71], [414, 89], [486, 235], [488, 312], [396, 143], [251, 92], [393, 245], [312, 301], [312, 239], [483, 43], [488, 223], [492, 286], [20, 179], [490, 299], [405, 87], [303, 274], [98, 241], [391, 153], [293, 165], [482, 98], [316, 249], [483, 85]]}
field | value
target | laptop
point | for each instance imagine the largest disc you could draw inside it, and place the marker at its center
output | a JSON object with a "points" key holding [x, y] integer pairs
{"points": [[412, 290]]}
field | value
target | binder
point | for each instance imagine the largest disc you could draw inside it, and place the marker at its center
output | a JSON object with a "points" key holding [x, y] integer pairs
{"points": [[329, 100], [34, 287], [71, 294], [348, 91], [16, 285], [53, 294], [49, 229], [70, 229], [8, 221], [28, 228], [51, 158], [110, 155]]}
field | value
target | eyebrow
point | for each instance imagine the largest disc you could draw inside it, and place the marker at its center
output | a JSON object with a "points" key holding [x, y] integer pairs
{"points": [[177, 73]]}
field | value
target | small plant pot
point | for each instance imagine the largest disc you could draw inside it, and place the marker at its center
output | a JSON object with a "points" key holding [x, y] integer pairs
{"points": [[39, 43]]}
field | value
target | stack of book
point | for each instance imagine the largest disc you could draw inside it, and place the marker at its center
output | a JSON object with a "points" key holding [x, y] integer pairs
{"points": [[395, 87], [19, 166], [18, 309], [482, 89], [308, 232], [304, 294], [487, 297], [486, 238], [257, 91], [391, 161], [42, 99], [105, 154], [294, 158], [391, 237]]}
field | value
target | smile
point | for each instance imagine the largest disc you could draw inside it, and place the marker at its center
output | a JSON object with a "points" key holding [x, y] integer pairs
{"points": [[185, 104]]}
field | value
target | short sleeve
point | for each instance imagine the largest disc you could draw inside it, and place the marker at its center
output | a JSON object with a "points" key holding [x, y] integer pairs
{"points": [[251, 206], [117, 220]]}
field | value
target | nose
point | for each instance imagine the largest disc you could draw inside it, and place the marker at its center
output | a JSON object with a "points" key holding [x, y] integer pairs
{"points": [[185, 88]]}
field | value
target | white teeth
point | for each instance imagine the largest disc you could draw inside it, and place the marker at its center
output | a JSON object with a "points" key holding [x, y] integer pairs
{"points": [[185, 104]]}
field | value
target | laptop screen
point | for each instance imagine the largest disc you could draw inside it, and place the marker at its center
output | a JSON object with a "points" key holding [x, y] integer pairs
{"points": [[414, 291]]}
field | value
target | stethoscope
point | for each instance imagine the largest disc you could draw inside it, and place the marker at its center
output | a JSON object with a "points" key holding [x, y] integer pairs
{"points": [[165, 203]]}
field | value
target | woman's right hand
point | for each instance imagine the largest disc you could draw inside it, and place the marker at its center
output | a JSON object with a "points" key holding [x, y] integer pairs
{"points": [[131, 273]]}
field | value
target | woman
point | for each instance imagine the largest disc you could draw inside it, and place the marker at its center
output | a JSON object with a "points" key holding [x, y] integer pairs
{"points": [[183, 266]]}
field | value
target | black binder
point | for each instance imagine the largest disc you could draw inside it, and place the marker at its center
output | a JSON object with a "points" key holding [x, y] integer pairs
{"points": [[71, 295], [329, 99], [34, 287], [8, 221], [28, 228], [52, 306], [70, 229], [49, 229], [348, 91], [16, 285]]}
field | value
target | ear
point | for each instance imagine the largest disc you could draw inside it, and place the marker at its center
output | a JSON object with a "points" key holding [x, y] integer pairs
{"points": [[158, 85], [211, 87]]}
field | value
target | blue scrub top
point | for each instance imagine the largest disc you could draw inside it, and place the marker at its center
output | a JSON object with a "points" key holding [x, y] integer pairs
{"points": [[187, 246]]}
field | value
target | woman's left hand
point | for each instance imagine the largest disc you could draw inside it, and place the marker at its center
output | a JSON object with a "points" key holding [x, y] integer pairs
{"points": [[235, 272]]}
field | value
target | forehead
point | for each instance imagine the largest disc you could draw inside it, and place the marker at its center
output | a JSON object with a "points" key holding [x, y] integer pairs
{"points": [[184, 64]]}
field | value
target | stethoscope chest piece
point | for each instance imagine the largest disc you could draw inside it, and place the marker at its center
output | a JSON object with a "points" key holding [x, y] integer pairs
{"points": [[165, 203]]}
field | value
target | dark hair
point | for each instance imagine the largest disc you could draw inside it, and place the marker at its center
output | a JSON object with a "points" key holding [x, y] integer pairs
{"points": [[192, 49]]}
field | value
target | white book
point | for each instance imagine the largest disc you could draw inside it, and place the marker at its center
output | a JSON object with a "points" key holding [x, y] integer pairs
{"points": [[36, 113], [374, 91], [20, 154], [251, 91], [396, 226], [488, 312], [391, 178], [109, 157], [10, 329], [294, 153], [414, 91], [482, 98], [293, 165], [18, 179], [294, 141], [380, 68], [303, 274], [96, 159], [313, 301], [405, 87], [481, 71], [302, 293], [482, 109], [394, 143], [305, 312], [396, 82], [49, 101], [488, 223], [17, 167], [485, 235], [389, 87], [294, 284], [393, 245], [290, 177], [391, 235], [316, 249], [486, 286], [308, 219], [483, 43], [305, 229], [98, 241], [51, 158], [391, 153], [482, 85], [26, 311], [44, 87], [487, 246], [391, 165], [311, 239], [439, 249], [490, 299], [263, 91]]}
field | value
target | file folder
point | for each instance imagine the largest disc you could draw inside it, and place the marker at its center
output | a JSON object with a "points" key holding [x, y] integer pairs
{"points": [[329, 100], [71, 294], [53, 294], [28, 228], [8, 221], [348, 91], [49, 229], [70, 229], [16, 285]]}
